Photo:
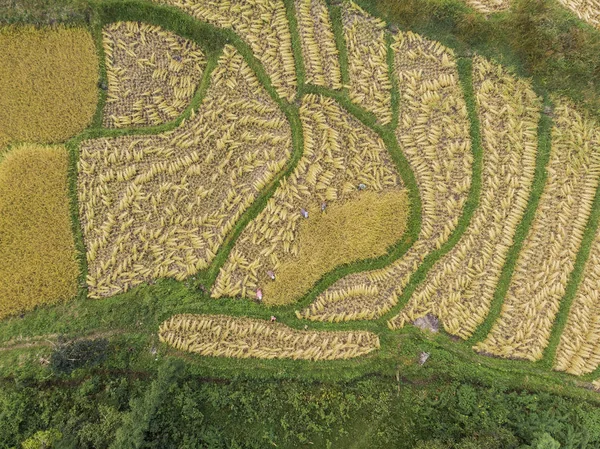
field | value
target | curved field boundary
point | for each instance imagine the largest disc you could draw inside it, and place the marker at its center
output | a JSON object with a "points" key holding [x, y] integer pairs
{"points": [[539, 181], [414, 221], [464, 68], [387, 135], [292, 18], [335, 14]]}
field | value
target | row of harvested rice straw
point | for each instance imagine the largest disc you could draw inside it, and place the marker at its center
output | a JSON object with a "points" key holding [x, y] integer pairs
{"points": [[152, 74], [339, 155], [227, 336], [459, 288]]}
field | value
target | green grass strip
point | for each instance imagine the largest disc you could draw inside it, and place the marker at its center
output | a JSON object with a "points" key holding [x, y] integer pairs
{"points": [[575, 278], [464, 68], [537, 188], [290, 11], [208, 37], [337, 25], [96, 28]]}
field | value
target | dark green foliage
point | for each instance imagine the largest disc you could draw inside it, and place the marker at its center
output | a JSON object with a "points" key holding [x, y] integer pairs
{"points": [[68, 356], [179, 411]]}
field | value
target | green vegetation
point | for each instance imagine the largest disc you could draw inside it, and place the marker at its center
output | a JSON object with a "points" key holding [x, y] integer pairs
{"points": [[173, 408]]}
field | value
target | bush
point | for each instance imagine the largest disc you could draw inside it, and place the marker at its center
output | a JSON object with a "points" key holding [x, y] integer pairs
{"points": [[69, 356]]}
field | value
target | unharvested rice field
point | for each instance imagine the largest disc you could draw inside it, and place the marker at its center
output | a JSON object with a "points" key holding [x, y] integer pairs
{"points": [[160, 206], [37, 250], [227, 336], [152, 74], [48, 80], [378, 176]]}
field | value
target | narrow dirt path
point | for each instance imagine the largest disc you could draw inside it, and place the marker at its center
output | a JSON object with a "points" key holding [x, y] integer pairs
{"points": [[51, 339]]}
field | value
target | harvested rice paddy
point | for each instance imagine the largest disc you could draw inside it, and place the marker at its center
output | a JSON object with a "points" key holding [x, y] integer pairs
{"points": [[313, 162], [152, 74], [227, 336]]}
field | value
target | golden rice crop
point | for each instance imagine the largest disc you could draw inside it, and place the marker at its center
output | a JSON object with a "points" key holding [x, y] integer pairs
{"points": [[586, 10], [262, 24], [489, 6], [370, 84], [460, 286], [37, 250], [339, 155], [152, 74], [540, 277], [160, 206], [228, 336], [48, 83], [579, 347], [434, 136], [361, 228], [321, 58]]}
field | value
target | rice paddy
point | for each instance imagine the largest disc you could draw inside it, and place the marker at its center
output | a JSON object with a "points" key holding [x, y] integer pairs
{"points": [[361, 228], [370, 84], [540, 278], [434, 135], [262, 24], [319, 50], [48, 83], [227, 336], [39, 264], [395, 181], [341, 158], [460, 287], [152, 74], [160, 206]]}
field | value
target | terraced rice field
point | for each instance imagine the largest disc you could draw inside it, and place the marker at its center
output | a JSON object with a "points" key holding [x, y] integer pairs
{"points": [[460, 287], [324, 166], [160, 206], [152, 74], [53, 96]]}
